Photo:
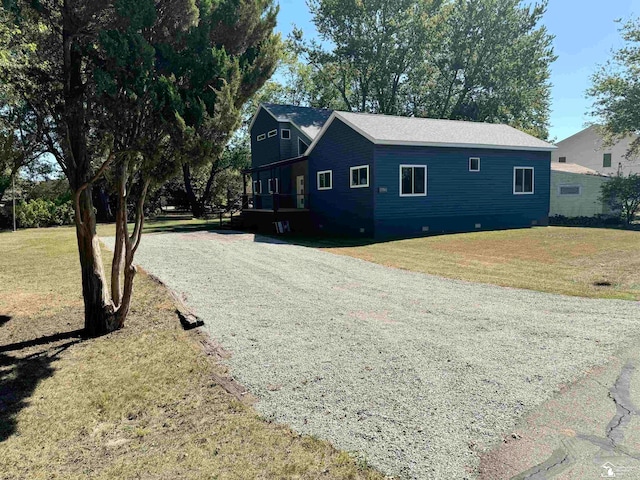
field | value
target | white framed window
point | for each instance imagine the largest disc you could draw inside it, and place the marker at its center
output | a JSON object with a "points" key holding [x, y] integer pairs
{"points": [[274, 185], [302, 147], [325, 180], [413, 180], [261, 137], [569, 190], [272, 133], [257, 187], [523, 181], [285, 134], [359, 176], [474, 164]]}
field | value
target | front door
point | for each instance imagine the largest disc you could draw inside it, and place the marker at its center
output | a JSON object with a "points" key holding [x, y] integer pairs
{"points": [[300, 190]]}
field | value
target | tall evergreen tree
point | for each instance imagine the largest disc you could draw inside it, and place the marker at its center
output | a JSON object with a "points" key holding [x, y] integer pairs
{"points": [[100, 78]]}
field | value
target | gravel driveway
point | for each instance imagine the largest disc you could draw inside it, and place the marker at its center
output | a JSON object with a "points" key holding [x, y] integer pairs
{"points": [[414, 372]]}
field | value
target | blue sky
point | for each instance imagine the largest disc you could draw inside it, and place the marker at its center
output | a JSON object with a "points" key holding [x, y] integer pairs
{"points": [[585, 34]]}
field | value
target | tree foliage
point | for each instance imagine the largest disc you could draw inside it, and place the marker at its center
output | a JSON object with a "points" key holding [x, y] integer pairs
{"points": [[213, 106], [622, 194], [478, 60], [130, 90], [615, 91]]}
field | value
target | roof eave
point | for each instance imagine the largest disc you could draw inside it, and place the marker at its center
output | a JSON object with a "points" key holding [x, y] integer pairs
{"points": [[550, 148]]}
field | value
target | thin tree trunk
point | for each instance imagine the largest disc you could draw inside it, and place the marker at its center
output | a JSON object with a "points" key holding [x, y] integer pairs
{"points": [[131, 245], [118, 251], [196, 207]]}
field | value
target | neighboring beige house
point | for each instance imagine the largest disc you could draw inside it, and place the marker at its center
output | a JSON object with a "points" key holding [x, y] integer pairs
{"points": [[585, 148], [575, 191]]}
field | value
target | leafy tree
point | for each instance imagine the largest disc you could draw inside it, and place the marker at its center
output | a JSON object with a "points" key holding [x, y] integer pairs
{"points": [[106, 83], [20, 149], [622, 194], [478, 60], [375, 44], [616, 91], [492, 64]]}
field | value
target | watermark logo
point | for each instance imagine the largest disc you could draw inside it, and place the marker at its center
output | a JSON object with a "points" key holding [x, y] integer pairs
{"points": [[613, 471]]}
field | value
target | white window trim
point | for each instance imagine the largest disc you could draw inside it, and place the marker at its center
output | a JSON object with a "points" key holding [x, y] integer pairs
{"points": [[474, 158], [272, 133], [425, 181], [282, 134], [533, 181], [261, 137], [257, 183], [270, 185], [330, 172], [304, 143], [560, 194], [358, 167]]}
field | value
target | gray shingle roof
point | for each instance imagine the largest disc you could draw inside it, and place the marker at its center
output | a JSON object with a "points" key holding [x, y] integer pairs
{"points": [[309, 120], [385, 129]]}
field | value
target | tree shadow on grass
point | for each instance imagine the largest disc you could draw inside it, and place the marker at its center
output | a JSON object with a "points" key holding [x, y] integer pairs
{"points": [[22, 371]]}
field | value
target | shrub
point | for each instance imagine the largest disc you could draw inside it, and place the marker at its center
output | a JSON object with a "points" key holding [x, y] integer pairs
{"points": [[596, 221], [43, 213]]}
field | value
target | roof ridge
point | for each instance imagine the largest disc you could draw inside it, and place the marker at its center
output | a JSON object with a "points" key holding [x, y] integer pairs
{"points": [[426, 118]]}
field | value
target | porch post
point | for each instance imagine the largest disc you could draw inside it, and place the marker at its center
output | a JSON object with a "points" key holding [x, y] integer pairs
{"points": [[245, 198]]}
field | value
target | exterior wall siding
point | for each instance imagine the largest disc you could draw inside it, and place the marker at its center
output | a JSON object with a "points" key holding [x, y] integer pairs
{"points": [[267, 150], [343, 210], [458, 200], [289, 148], [586, 204], [587, 148]]}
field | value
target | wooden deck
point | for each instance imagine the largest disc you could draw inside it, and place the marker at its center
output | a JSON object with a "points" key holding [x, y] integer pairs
{"points": [[263, 220], [280, 210]]}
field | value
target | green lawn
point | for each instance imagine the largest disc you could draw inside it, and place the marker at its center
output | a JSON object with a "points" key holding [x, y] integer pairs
{"points": [[563, 260], [144, 402]]}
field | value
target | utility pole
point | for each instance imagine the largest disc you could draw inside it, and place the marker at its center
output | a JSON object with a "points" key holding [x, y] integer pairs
{"points": [[13, 194]]}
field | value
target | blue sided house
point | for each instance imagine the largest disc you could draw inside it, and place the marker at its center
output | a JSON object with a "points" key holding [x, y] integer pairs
{"points": [[379, 176]]}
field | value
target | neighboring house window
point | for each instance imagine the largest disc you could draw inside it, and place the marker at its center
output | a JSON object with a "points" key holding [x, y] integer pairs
{"points": [[522, 180], [261, 137], [302, 147], [413, 180], [325, 180], [562, 160], [273, 133], [474, 164], [359, 176], [569, 190], [257, 187], [274, 185], [285, 134], [606, 160]]}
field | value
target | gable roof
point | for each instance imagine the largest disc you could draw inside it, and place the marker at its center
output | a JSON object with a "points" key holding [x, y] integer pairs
{"points": [[390, 130], [308, 120], [573, 168]]}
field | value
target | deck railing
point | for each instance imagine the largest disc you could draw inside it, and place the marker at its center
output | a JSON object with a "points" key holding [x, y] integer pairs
{"points": [[274, 201]]}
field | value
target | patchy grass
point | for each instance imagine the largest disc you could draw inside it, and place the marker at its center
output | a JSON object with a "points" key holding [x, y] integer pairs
{"points": [[571, 261], [169, 223], [139, 403]]}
